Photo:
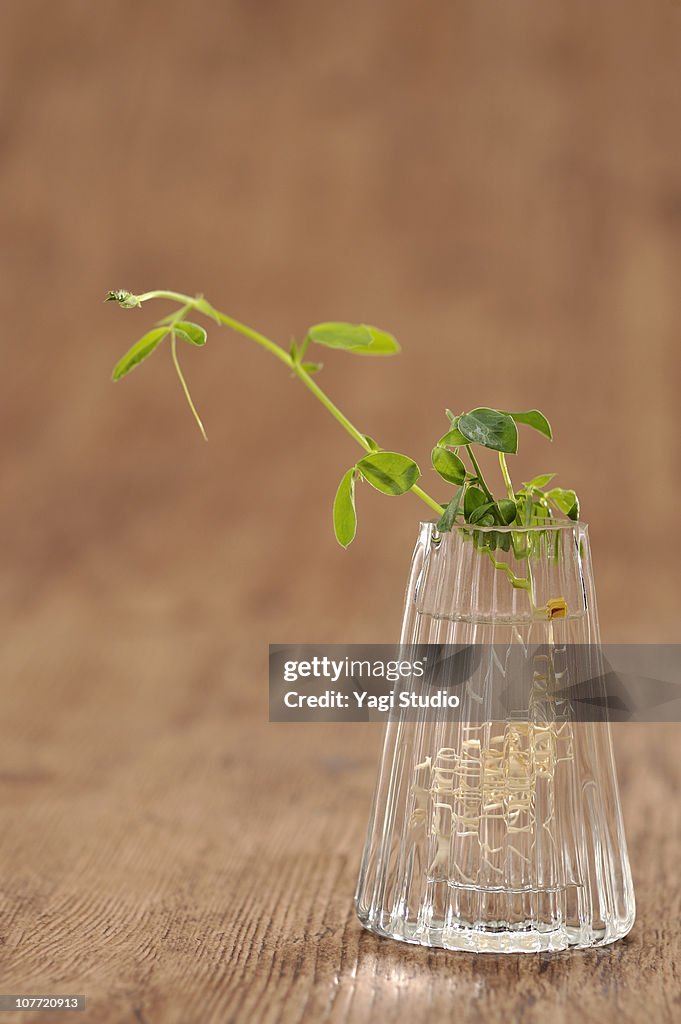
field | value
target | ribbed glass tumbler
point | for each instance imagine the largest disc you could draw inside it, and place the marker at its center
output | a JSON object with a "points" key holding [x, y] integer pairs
{"points": [[487, 834]]}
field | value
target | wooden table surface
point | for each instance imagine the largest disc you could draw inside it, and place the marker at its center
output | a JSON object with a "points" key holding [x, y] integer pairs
{"points": [[176, 858], [497, 183]]}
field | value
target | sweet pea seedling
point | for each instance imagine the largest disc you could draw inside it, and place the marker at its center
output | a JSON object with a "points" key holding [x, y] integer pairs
{"points": [[453, 457]]}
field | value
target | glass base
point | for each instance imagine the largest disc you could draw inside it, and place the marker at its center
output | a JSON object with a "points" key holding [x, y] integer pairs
{"points": [[521, 938]]}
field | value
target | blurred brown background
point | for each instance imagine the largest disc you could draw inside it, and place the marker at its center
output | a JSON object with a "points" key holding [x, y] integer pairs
{"points": [[500, 186]]}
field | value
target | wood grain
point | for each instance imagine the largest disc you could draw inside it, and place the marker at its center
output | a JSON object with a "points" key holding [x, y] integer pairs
{"points": [[177, 861], [498, 184]]}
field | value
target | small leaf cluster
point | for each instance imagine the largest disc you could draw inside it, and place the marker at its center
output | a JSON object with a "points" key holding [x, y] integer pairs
{"points": [[473, 501], [536, 503], [185, 330], [389, 472]]}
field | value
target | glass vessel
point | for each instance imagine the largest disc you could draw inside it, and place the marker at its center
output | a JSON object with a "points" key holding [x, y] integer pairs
{"points": [[497, 834]]}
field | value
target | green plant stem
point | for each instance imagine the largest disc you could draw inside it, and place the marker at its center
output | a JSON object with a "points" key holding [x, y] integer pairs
{"points": [[519, 582], [330, 406], [183, 382], [183, 300], [425, 497], [507, 476], [478, 473], [202, 306]]}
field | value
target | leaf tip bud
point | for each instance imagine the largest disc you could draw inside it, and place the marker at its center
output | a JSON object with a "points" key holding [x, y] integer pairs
{"points": [[124, 299]]}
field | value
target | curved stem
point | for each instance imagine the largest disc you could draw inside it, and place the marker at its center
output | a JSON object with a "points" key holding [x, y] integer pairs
{"points": [[183, 382], [248, 332], [201, 305], [183, 300], [519, 582], [312, 386]]}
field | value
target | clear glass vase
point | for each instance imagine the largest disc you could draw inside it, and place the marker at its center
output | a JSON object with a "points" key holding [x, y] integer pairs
{"points": [[498, 835]]}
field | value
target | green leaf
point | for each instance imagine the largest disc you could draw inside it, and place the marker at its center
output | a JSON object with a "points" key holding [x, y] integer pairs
{"points": [[535, 419], [452, 439], [190, 332], [490, 428], [360, 338], [540, 510], [382, 343], [389, 472], [494, 512], [139, 352], [448, 465], [539, 481], [507, 510], [344, 513], [374, 445], [566, 500], [483, 515], [340, 335], [312, 367], [451, 511], [473, 499]]}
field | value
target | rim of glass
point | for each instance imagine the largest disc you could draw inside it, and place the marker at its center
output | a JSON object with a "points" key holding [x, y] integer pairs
{"points": [[552, 524]]}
